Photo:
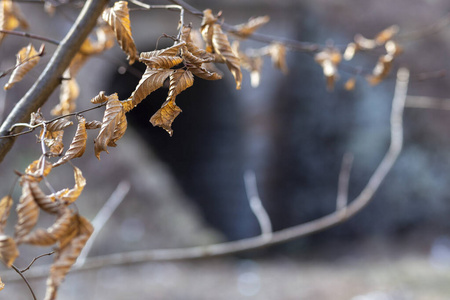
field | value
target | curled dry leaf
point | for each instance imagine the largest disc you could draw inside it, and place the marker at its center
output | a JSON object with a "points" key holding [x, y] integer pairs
{"points": [[5, 207], [111, 118], [94, 124], [151, 80], [100, 98], [27, 59], [8, 250], [277, 53], [206, 28], [386, 34], [68, 196], [119, 131], [67, 256], [381, 70], [78, 144], [179, 81], [247, 29], [27, 212], [2, 285], [35, 170], [163, 59], [59, 124], [11, 17], [47, 237], [46, 203], [329, 60], [119, 19], [223, 48]]}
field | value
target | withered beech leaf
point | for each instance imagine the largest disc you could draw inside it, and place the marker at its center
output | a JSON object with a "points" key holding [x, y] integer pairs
{"points": [[94, 124], [151, 80], [68, 196], [78, 144], [386, 34], [179, 81], [46, 203], [27, 212], [253, 64], [223, 48], [247, 29], [59, 124], [111, 118], [119, 19], [277, 53], [54, 140], [2, 285], [11, 17], [100, 98], [66, 257], [8, 250], [162, 59], [68, 93], [27, 59], [329, 59], [35, 170], [59, 229], [206, 28], [119, 131], [350, 84], [5, 207], [381, 70]]}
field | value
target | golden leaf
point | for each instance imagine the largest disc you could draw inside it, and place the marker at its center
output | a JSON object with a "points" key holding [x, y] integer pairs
{"points": [[151, 80], [393, 48], [329, 59], [100, 98], [27, 212], [59, 124], [162, 59], [363, 43], [27, 59], [277, 53], [54, 140], [386, 34], [381, 70], [46, 203], [192, 52], [78, 144], [119, 19], [350, 84], [223, 48], [179, 81], [8, 250], [111, 118], [5, 207], [11, 17], [93, 124], [69, 196], [246, 29], [47, 237], [67, 256], [206, 28], [119, 131], [253, 64], [35, 171], [350, 51], [68, 94], [2, 285]]}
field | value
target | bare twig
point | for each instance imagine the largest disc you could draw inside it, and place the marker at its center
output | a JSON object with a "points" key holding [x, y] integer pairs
{"points": [[26, 281], [284, 235], [343, 182], [31, 36], [50, 78], [35, 259], [102, 217], [427, 102], [256, 204]]}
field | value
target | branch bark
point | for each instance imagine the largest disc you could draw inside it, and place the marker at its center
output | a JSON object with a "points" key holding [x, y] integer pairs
{"points": [[50, 78]]}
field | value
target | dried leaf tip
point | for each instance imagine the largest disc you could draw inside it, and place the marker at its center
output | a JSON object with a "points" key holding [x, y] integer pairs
{"points": [[27, 59]]}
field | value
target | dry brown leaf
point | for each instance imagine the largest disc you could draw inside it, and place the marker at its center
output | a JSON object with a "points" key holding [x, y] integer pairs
{"points": [[381, 70], [68, 94], [223, 48], [207, 30], [59, 124], [329, 59], [94, 124], [67, 256], [350, 51], [46, 203], [163, 59], [111, 118], [247, 29], [27, 59], [119, 19], [2, 285], [363, 43], [8, 250], [393, 48], [5, 207], [151, 80], [11, 17], [386, 34], [47, 237], [78, 144], [27, 212], [35, 171], [68, 196], [277, 53], [179, 81], [119, 131]]}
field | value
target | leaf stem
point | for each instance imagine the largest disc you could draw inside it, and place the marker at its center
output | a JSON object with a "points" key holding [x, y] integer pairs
{"points": [[26, 281], [31, 36]]}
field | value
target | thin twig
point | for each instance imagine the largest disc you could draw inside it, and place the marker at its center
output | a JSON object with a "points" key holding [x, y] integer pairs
{"points": [[39, 54], [31, 36], [24, 279], [284, 235], [102, 217], [35, 259], [343, 181], [256, 204]]}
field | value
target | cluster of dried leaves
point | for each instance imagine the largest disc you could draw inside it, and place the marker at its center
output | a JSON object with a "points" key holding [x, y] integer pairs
{"points": [[69, 232]]}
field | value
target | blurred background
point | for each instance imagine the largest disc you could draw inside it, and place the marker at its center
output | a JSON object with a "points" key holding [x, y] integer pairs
{"points": [[188, 189]]}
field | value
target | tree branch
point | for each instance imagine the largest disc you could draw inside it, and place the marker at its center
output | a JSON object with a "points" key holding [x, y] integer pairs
{"points": [[51, 76], [330, 220]]}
